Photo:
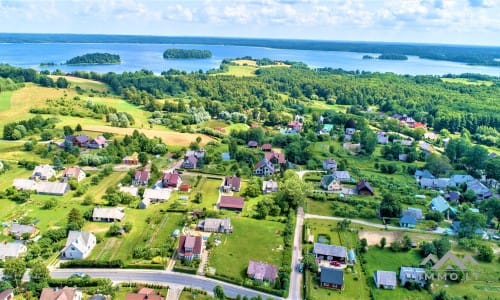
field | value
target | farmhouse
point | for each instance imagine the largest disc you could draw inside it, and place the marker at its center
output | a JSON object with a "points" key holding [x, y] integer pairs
{"points": [[190, 162], [330, 252], [364, 188], [98, 143], [190, 247], [261, 271], [43, 172], [79, 244], [331, 183], [105, 214], [73, 172], [264, 168], [171, 180], [19, 231], [269, 186], [412, 274], [216, 225], [154, 196], [416, 212], [231, 183], [11, 250], [330, 165], [52, 188], [231, 203], [131, 159], [65, 293], [331, 278], [385, 279], [141, 178]]}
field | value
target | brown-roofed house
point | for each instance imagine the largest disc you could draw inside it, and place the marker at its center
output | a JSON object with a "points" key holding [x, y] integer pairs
{"points": [[189, 247], [144, 294], [231, 203], [275, 158], [172, 180], [141, 178], [190, 162], [131, 159], [97, 143], [65, 293], [266, 147], [231, 183], [73, 172], [364, 188]]}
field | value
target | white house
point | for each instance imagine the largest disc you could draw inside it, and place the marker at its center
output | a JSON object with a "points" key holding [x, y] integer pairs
{"points": [[78, 245], [11, 250], [43, 172], [73, 172]]}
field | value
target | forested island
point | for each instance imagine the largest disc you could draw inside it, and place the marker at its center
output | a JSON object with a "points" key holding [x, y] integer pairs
{"points": [[95, 59], [368, 57], [472, 55], [186, 54], [393, 56]]}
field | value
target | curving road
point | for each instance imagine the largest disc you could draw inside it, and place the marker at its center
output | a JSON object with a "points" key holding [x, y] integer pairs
{"points": [[163, 277]]}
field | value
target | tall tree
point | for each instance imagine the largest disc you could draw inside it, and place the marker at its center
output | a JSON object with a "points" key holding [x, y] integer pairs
{"points": [[219, 292], [39, 273], [368, 140], [75, 219], [390, 207], [437, 164], [14, 270]]}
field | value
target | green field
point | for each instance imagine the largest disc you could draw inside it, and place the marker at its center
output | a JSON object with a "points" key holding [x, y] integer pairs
{"points": [[193, 296], [467, 81], [5, 100], [251, 240]]}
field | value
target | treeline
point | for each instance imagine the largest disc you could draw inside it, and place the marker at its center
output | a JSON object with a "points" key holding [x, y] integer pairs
{"points": [[94, 58], [7, 84], [18, 130], [393, 56], [186, 54], [458, 53], [20, 75]]}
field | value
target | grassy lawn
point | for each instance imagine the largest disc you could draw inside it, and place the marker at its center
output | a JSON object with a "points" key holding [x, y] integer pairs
{"points": [[209, 188], [239, 71], [13, 150], [236, 126], [140, 115], [250, 240], [5, 100], [7, 178], [112, 180], [193, 296]]}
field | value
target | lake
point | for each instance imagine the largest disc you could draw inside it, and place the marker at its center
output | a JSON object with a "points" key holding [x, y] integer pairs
{"points": [[150, 57]]}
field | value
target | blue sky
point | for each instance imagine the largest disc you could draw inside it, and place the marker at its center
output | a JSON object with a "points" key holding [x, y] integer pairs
{"points": [[424, 21]]}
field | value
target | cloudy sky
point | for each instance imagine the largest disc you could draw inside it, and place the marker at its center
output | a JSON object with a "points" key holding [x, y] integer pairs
{"points": [[425, 21]]}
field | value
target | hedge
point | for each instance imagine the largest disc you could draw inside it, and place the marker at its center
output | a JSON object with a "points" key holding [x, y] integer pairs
{"points": [[80, 282], [263, 289], [185, 270], [80, 263], [144, 266], [179, 210]]}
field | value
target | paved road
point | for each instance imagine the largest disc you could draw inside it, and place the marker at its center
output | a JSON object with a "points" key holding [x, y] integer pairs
{"points": [[163, 277], [362, 222], [296, 276]]}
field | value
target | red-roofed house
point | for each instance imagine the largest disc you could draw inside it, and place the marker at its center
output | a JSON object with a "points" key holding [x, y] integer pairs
{"points": [[143, 294], [231, 203], [141, 178], [253, 144], [73, 172], [189, 247], [231, 183], [172, 180], [190, 162], [97, 143], [266, 147]]}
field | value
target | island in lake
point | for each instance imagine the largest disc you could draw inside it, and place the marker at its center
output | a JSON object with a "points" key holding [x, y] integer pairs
{"points": [[392, 56], [368, 57], [95, 59], [186, 54]]}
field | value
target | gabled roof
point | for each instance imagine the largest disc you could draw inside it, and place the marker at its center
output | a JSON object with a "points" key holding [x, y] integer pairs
{"points": [[457, 180], [141, 176], [11, 250], [52, 188], [275, 155], [328, 179], [329, 161], [412, 273], [191, 159], [386, 278], [263, 163], [172, 178], [82, 139], [478, 188], [267, 147], [365, 185], [231, 202], [65, 293], [332, 275], [232, 181], [108, 213], [342, 175], [408, 219], [189, 241], [78, 239], [72, 171], [329, 250], [162, 194], [252, 144], [269, 184], [262, 271], [416, 212], [424, 174], [44, 171], [439, 204], [100, 140], [20, 229]]}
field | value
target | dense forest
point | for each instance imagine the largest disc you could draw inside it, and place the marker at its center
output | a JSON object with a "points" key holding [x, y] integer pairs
{"points": [[186, 54], [392, 56], [94, 58], [475, 55]]}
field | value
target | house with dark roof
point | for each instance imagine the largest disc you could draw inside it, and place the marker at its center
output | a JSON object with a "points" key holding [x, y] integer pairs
{"points": [[65, 293], [19, 231], [98, 143], [171, 180], [79, 244], [439, 204], [261, 271], [331, 278], [276, 158], [190, 247], [385, 279], [81, 140], [479, 189], [231, 184], [266, 147], [141, 178], [73, 172], [416, 212], [410, 274], [264, 168], [331, 183], [231, 203], [190, 162], [420, 174], [330, 252], [452, 196], [363, 187], [330, 165], [252, 144]]}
